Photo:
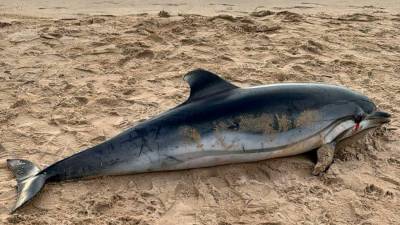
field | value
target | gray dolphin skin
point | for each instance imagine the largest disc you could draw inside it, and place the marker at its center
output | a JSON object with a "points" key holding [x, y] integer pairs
{"points": [[219, 124]]}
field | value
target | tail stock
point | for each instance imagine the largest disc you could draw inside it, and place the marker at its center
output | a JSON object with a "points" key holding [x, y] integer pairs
{"points": [[29, 180]]}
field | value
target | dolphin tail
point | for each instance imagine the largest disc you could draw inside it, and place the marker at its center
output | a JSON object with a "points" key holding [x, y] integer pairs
{"points": [[29, 180]]}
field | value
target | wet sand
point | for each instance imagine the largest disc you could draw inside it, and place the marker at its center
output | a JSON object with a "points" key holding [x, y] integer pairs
{"points": [[60, 8], [70, 81]]}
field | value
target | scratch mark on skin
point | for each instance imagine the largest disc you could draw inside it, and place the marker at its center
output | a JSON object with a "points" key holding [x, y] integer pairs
{"points": [[148, 157], [158, 152], [141, 148], [146, 144], [157, 133], [174, 158], [131, 138]]}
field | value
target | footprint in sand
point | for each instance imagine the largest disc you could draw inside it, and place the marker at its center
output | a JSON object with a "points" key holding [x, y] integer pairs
{"points": [[358, 17], [287, 16], [262, 13], [4, 24]]}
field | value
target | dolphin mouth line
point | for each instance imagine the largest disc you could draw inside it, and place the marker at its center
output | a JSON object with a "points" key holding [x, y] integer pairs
{"points": [[379, 117], [370, 122]]}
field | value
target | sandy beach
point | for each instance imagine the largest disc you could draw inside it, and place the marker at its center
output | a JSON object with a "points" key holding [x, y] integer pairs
{"points": [[74, 76]]}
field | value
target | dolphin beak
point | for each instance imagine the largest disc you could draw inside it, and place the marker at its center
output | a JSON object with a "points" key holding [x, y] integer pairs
{"points": [[379, 117]]}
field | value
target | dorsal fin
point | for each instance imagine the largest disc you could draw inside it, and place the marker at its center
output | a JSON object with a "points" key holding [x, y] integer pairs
{"points": [[204, 83]]}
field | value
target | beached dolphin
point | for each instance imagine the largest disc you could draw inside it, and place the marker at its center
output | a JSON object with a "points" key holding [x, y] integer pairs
{"points": [[219, 124]]}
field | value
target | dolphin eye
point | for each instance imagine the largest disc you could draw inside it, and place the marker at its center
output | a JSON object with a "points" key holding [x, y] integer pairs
{"points": [[359, 117]]}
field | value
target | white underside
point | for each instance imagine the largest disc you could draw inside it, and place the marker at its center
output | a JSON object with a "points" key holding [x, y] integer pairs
{"points": [[191, 156], [240, 156]]}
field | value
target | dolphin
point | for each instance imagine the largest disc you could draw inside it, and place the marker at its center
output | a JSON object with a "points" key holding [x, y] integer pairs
{"points": [[220, 123]]}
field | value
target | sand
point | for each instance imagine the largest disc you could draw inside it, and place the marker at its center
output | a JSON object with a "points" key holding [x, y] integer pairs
{"points": [[70, 82], [62, 8]]}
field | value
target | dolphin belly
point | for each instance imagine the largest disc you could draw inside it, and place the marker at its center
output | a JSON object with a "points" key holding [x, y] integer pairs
{"points": [[230, 148], [208, 158], [226, 148]]}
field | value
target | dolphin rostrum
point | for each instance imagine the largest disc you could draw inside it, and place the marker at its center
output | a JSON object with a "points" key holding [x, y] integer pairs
{"points": [[219, 124]]}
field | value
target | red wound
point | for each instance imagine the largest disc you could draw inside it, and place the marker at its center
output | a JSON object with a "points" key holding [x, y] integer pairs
{"points": [[357, 126]]}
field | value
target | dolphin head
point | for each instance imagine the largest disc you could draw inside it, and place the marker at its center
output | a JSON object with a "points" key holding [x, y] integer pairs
{"points": [[353, 115], [368, 118]]}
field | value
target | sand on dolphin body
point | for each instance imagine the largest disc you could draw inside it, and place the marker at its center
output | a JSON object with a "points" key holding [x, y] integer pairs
{"points": [[70, 83]]}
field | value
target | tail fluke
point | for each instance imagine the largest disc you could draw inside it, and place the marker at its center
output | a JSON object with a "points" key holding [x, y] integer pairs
{"points": [[29, 180]]}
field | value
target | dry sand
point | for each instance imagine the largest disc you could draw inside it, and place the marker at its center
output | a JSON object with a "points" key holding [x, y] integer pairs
{"points": [[67, 84]]}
